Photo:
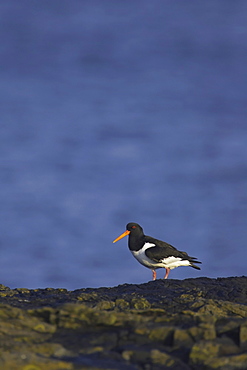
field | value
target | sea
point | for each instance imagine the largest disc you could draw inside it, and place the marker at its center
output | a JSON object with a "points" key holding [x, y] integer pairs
{"points": [[114, 112]]}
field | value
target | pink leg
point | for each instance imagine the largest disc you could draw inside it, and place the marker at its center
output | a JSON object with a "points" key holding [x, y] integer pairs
{"points": [[154, 274], [167, 273]]}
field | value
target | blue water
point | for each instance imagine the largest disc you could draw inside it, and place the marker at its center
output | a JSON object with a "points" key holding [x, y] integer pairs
{"points": [[119, 111]]}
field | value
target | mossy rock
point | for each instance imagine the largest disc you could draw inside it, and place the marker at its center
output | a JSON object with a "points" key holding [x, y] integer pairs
{"points": [[188, 324]]}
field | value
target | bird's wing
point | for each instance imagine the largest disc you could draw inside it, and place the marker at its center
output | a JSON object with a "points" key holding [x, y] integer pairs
{"points": [[163, 250]]}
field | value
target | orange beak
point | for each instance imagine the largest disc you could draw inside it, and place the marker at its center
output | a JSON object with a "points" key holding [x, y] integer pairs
{"points": [[127, 232]]}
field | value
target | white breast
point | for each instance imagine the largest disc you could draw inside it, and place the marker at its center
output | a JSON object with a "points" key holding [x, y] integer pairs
{"points": [[141, 256]]}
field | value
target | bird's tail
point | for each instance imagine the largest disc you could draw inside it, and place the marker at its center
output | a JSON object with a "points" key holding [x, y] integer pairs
{"points": [[192, 263]]}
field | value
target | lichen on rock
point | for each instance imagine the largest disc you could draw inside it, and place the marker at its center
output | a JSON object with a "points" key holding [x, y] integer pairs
{"points": [[189, 324]]}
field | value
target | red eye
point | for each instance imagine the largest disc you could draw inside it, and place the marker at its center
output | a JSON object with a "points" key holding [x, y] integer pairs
{"points": [[133, 227]]}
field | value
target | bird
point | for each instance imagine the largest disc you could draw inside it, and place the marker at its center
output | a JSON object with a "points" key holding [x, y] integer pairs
{"points": [[153, 253]]}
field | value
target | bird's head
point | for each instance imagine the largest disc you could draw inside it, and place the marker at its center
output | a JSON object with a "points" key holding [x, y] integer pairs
{"points": [[131, 228]]}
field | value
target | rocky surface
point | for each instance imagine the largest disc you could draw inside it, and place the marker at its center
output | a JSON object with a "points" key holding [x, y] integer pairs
{"points": [[164, 324]]}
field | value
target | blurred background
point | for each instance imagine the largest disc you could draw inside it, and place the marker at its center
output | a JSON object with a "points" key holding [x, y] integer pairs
{"points": [[118, 111]]}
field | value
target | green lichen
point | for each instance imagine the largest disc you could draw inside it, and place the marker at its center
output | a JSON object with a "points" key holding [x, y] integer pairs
{"points": [[162, 324], [161, 358], [105, 305], [163, 334], [122, 304], [140, 303], [203, 350], [243, 335]]}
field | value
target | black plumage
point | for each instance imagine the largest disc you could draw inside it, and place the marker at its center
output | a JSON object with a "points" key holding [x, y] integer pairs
{"points": [[154, 253]]}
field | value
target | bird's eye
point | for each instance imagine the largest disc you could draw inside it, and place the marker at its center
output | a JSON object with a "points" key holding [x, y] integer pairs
{"points": [[133, 227]]}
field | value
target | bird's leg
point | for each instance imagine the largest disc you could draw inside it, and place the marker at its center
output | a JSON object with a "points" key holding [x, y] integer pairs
{"points": [[154, 274], [167, 273]]}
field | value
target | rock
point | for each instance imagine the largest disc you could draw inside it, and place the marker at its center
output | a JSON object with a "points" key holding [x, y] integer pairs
{"points": [[163, 334], [243, 335], [164, 324]]}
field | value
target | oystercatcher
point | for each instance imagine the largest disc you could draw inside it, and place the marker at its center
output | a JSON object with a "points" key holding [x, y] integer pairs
{"points": [[154, 253]]}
